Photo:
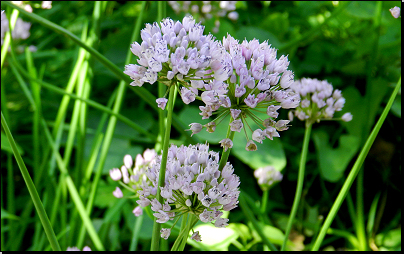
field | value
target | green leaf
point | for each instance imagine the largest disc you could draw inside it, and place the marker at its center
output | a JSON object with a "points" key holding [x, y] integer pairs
{"points": [[5, 145], [333, 162]]}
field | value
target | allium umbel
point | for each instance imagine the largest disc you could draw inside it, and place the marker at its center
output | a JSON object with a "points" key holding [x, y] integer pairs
{"points": [[193, 184], [176, 53], [132, 174], [319, 101], [258, 82]]}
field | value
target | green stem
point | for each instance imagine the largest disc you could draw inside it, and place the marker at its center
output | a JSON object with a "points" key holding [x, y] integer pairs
{"points": [[264, 202], [300, 179], [136, 233], [355, 169], [161, 13], [225, 154], [31, 188], [170, 108]]}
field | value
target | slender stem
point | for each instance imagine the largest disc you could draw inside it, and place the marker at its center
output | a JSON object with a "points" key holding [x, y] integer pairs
{"points": [[300, 179], [136, 233], [161, 13], [170, 108], [225, 154], [355, 169], [31, 188], [264, 202]]}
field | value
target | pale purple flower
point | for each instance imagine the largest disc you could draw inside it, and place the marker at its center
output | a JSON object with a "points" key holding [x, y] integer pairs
{"points": [[221, 223], [196, 236], [161, 103], [395, 11], [162, 217], [251, 146], [226, 143], [318, 100], [86, 248], [192, 181], [236, 125], [267, 177], [165, 233], [137, 211], [195, 128], [258, 135], [346, 117], [117, 193], [115, 174]]}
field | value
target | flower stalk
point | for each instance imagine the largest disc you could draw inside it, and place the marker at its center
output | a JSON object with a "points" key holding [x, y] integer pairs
{"points": [[170, 108], [226, 151], [300, 178]]}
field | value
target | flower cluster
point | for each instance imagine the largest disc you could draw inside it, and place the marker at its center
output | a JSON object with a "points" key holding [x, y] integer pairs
{"points": [[193, 184], [319, 101], [175, 54], [258, 80], [207, 9], [267, 177], [132, 175]]}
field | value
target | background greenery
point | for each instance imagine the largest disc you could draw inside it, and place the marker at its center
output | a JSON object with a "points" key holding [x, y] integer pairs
{"points": [[356, 46]]}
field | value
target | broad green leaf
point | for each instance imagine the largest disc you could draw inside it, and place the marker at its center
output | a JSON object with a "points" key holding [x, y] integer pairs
{"points": [[333, 161]]}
